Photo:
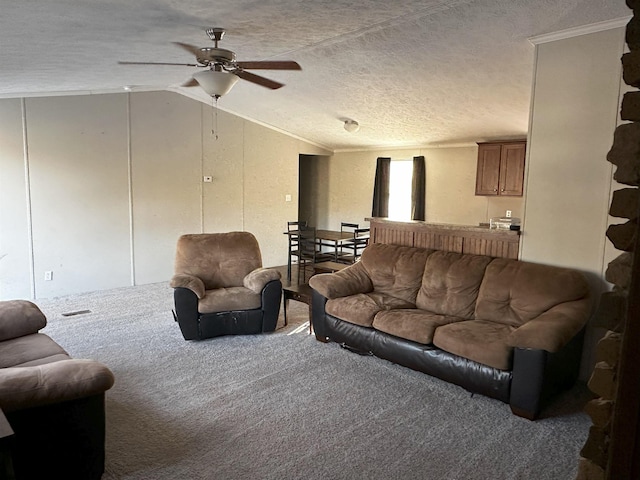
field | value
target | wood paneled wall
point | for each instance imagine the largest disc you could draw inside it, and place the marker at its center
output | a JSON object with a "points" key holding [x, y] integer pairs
{"points": [[450, 238]]}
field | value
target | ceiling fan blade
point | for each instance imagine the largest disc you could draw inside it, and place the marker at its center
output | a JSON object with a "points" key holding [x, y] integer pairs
{"points": [[257, 79], [190, 83], [161, 63], [189, 48], [270, 65]]}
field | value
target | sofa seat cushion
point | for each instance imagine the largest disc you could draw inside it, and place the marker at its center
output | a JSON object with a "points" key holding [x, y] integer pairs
{"points": [[481, 341], [411, 324], [34, 349], [228, 299], [360, 309], [451, 282]]}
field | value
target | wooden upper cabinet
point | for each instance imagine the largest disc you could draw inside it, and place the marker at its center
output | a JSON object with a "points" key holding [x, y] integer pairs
{"points": [[500, 168], [488, 175]]}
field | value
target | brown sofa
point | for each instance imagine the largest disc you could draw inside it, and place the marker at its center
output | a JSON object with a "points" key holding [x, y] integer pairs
{"points": [[504, 328], [54, 404]]}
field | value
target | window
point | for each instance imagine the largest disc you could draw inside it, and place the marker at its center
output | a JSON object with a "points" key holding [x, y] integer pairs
{"points": [[400, 175]]}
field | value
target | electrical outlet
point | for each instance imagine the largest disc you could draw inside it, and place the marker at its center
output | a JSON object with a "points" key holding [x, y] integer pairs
{"points": [[48, 275], [207, 179], [508, 214]]}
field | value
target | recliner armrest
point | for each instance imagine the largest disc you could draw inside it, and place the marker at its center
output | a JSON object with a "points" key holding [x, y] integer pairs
{"points": [[19, 318], [258, 278], [26, 387], [193, 283], [348, 281], [553, 329]]}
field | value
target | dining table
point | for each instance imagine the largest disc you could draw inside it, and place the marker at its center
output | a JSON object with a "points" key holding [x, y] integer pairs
{"points": [[331, 239]]}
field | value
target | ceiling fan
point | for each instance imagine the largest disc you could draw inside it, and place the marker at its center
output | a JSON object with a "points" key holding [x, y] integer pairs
{"points": [[222, 69]]}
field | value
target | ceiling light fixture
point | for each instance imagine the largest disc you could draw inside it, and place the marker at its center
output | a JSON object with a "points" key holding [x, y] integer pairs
{"points": [[351, 126], [215, 83]]}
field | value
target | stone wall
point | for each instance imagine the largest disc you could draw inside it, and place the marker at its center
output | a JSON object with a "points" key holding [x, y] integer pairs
{"points": [[612, 313]]}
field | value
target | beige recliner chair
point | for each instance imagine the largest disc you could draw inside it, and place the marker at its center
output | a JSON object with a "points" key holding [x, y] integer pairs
{"points": [[220, 287]]}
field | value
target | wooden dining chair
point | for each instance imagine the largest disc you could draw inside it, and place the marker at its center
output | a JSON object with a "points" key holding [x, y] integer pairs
{"points": [[294, 242], [309, 252], [351, 250], [345, 227], [348, 227]]}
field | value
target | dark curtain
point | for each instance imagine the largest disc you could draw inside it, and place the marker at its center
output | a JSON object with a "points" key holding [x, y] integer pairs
{"points": [[418, 189], [381, 188]]}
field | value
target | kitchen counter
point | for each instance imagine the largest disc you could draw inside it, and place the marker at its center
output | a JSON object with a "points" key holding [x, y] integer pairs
{"points": [[472, 239]]}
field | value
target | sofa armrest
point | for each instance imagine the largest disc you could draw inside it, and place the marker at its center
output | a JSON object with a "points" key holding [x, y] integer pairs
{"points": [[186, 312], [271, 299], [193, 283], [348, 281], [26, 387], [258, 278], [19, 318], [553, 329]]}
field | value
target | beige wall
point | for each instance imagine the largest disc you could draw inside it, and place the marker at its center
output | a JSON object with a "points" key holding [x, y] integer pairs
{"points": [[15, 238], [97, 188], [450, 187], [574, 115], [166, 154], [270, 173], [222, 199], [78, 185]]}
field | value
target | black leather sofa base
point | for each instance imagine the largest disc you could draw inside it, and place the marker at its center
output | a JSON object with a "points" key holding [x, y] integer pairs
{"points": [[62, 440], [537, 375]]}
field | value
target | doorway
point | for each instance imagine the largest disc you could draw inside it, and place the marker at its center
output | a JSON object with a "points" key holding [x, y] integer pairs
{"points": [[313, 190]]}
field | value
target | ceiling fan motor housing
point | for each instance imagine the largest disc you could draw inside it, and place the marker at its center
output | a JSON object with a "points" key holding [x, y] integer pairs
{"points": [[209, 55]]}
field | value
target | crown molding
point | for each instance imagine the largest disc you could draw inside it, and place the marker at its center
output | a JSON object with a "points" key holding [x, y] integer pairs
{"points": [[421, 146], [582, 30], [201, 97]]}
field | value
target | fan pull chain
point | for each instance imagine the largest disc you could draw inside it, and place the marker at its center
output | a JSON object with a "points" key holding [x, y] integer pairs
{"points": [[214, 116]]}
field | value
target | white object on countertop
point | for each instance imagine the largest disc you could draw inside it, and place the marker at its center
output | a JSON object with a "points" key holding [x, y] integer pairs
{"points": [[503, 222]]}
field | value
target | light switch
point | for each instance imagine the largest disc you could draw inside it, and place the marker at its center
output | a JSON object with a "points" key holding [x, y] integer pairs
{"points": [[207, 179], [287, 198]]}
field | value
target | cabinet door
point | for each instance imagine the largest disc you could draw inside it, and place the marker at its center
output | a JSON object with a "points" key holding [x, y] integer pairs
{"points": [[512, 169], [488, 174]]}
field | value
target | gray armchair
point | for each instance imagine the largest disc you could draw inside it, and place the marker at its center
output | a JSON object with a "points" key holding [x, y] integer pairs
{"points": [[220, 287]]}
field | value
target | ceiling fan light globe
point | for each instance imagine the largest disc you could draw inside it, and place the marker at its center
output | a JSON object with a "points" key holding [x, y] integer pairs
{"points": [[216, 84], [351, 126]]}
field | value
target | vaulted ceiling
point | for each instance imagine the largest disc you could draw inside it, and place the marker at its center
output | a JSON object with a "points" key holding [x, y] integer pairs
{"points": [[413, 72]]}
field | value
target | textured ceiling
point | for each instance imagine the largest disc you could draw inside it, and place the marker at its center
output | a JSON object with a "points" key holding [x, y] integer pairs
{"points": [[414, 72]]}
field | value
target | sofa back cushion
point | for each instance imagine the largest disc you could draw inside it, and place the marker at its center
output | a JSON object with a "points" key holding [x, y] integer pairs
{"points": [[19, 318], [451, 282], [218, 259], [514, 292], [395, 270]]}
